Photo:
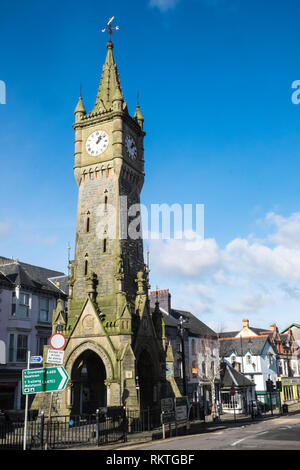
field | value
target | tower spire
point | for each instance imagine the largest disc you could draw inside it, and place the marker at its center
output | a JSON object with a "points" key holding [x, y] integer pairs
{"points": [[110, 85]]}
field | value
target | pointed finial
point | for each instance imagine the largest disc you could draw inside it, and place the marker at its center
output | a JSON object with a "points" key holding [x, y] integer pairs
{"points": [[80, 109], [69, 249], [138, 115], [109, 28]]}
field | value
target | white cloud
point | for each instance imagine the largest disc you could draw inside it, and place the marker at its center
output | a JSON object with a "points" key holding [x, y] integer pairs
{"points": [[260, 260], [4, 229], [252, 302], [288, 229], [164, 5], [185, 257], [249, 276]]}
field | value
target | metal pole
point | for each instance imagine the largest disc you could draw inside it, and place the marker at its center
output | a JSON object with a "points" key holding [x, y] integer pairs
{"points": [[181, 334], [271, 403], [26, 407], [49, 423]]}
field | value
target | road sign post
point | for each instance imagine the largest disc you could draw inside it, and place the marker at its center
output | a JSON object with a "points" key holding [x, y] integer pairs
{"points": [[26, 408]]}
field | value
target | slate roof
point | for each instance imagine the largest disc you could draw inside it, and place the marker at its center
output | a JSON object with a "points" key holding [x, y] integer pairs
{"points": [[231, 377], [231, 334], [4, 281], [240, 346], [290, 326], [194, 326], [284, 337], [169, 321], [29, 276]]}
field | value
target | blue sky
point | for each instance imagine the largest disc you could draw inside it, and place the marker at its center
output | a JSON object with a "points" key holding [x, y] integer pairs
{"points": [[215, 84]]}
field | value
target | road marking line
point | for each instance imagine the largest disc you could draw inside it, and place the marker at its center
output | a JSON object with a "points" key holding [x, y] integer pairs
{"points": [[240, 440], [248, 437]]}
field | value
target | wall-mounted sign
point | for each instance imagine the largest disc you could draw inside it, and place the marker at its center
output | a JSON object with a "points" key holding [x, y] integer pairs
{"points": [[55, 356]]}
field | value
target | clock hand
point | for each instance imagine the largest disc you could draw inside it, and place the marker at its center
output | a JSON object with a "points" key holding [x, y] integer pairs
{"points": [[99, 140]]}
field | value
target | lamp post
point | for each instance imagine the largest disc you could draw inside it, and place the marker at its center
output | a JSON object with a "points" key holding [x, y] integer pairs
{"points": [[182, 321], [138, 391]]}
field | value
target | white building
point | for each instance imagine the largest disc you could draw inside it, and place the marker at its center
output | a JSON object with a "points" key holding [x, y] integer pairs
{"points": [[254, 356]]}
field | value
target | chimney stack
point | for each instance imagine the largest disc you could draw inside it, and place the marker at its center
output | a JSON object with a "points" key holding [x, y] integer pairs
{"points": [[163, 297]]}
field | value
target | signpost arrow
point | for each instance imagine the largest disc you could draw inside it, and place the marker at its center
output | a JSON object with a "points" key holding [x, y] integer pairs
{"points": [[48, 379], [64, 378], [36, 359]]}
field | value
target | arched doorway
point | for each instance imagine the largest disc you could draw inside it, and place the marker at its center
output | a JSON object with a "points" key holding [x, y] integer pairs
{"points": [[89, 390], [145, 371]]}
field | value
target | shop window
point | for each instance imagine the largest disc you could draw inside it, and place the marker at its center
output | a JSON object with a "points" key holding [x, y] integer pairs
{"points": [[18, 347]]}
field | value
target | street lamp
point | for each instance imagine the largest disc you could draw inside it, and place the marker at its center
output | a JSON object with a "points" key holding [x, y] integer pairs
{"points": [[138, 391], [181, 327]]}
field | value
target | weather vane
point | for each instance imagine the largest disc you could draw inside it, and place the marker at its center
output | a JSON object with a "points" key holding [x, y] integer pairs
{"points": [[109, 28]]}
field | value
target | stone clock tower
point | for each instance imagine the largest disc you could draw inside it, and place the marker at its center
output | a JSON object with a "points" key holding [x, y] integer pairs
{"points": [[115, 353]]}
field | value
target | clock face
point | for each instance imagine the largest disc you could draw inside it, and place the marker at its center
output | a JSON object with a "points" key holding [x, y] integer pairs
{"points": [[130, 147], [96, 143]]}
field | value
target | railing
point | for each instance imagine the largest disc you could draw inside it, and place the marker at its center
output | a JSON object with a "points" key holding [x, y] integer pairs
{"points": [[64, 431], [107, 426], [145, 420]]}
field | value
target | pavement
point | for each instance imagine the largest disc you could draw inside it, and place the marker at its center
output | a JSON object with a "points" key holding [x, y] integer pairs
{"points": [[194, 427]]}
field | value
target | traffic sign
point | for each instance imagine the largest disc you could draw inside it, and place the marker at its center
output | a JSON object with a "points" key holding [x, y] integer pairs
{"points": [[47, 379], [55, 356], [36, 359], [167, 405], [181, 408], [57, 341]]}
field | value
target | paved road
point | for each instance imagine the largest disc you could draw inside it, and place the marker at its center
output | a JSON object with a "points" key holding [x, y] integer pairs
{"points": [[282, 433]]}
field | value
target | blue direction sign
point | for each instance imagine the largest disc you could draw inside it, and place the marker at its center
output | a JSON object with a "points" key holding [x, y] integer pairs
{"points": [[36, 359], [48, 379]]}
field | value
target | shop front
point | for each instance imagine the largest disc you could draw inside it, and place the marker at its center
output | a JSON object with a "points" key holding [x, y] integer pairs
{"points": [[290, 392]]}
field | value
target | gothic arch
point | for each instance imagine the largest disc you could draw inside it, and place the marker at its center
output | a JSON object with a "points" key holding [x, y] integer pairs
{"points": [[152, 352], [90, 345]]}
